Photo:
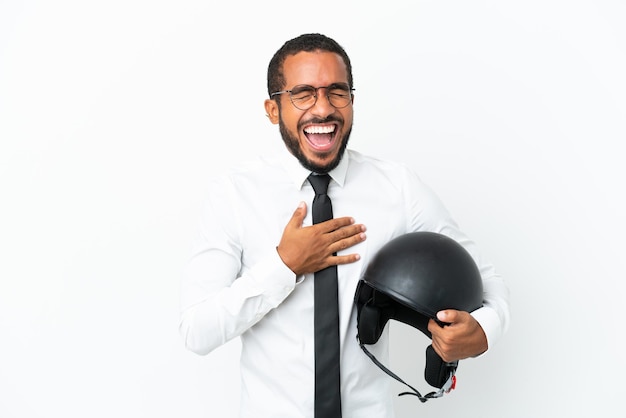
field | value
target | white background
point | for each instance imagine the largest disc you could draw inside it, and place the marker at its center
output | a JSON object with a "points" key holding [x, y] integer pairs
{"points": [[113, 115]]}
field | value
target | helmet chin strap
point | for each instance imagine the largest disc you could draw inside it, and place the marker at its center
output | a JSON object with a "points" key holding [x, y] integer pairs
{"points": [[449, 384]]}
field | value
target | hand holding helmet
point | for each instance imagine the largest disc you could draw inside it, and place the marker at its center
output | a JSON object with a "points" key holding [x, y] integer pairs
{"points": [[460, 338]]}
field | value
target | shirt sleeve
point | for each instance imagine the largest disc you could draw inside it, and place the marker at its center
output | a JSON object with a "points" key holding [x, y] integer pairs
{"points": [[427, 212], [219, 299]]}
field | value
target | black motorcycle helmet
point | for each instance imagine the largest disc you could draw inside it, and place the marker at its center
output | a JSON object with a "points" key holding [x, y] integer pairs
{"points": [[410, 279]]}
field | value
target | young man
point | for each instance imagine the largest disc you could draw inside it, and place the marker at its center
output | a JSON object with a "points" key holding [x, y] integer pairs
{"points": [[252, 272]]}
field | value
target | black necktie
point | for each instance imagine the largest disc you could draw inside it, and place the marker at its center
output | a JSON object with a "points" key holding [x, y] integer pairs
{"points": [[327, 384]]}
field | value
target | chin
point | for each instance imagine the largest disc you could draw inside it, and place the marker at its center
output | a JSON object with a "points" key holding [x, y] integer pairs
{"points": [[322, 165]]}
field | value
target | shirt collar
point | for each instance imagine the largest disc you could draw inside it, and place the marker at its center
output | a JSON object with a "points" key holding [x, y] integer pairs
{"points": [[299, 174]]}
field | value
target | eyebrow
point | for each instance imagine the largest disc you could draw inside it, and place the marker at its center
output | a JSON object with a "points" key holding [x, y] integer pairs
{"points": [[332, 85]]}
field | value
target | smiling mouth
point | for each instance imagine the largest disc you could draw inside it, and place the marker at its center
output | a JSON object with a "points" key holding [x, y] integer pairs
{"points": [[320, 137]]}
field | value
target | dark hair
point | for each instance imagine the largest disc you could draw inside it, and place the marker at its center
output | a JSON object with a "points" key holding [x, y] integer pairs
{"points": [[308, 42]]}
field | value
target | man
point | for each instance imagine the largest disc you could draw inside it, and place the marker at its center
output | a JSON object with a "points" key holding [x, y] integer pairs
{"points": [[251, 274]]}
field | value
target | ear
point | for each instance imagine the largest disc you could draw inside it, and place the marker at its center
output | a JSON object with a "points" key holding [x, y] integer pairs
{"points": [[271, 111]]}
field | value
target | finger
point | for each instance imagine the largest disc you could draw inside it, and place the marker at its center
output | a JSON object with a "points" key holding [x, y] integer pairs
{"points": [[449, 316], [344, 259], [356, 237], [298, 216], [433, 327], [336, 223], [347, 232]]}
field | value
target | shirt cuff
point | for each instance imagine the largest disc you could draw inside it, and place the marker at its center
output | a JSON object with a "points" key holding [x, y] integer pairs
{"points": [[490, 323], [277, 279]]}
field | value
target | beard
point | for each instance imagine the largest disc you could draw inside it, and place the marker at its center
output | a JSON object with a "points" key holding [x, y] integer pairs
{"points": [[293, 145]]}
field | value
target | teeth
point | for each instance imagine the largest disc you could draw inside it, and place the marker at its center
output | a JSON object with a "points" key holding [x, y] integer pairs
{"points": [[320, 129]]}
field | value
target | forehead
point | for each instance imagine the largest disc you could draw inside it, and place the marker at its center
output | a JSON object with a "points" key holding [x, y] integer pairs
{"points": [[319, 68]]}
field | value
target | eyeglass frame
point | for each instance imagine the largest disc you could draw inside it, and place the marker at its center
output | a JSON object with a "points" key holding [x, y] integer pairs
{"points": [[349, 90]]}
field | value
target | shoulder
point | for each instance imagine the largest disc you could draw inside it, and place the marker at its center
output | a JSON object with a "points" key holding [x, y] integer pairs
{"points": [[393, 170], [254, 169]]}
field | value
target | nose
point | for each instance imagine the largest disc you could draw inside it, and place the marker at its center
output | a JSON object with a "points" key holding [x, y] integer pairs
{"points": [[322, 107]]}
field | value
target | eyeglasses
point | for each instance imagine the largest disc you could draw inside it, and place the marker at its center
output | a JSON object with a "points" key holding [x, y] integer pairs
{"points": [[304, 97]]}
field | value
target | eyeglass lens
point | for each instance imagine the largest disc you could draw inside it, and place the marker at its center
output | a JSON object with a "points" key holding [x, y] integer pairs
{"points": [[304, 97]]}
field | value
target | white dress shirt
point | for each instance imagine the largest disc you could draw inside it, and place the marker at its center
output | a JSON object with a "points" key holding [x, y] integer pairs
{"points": [[236, 285]]}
